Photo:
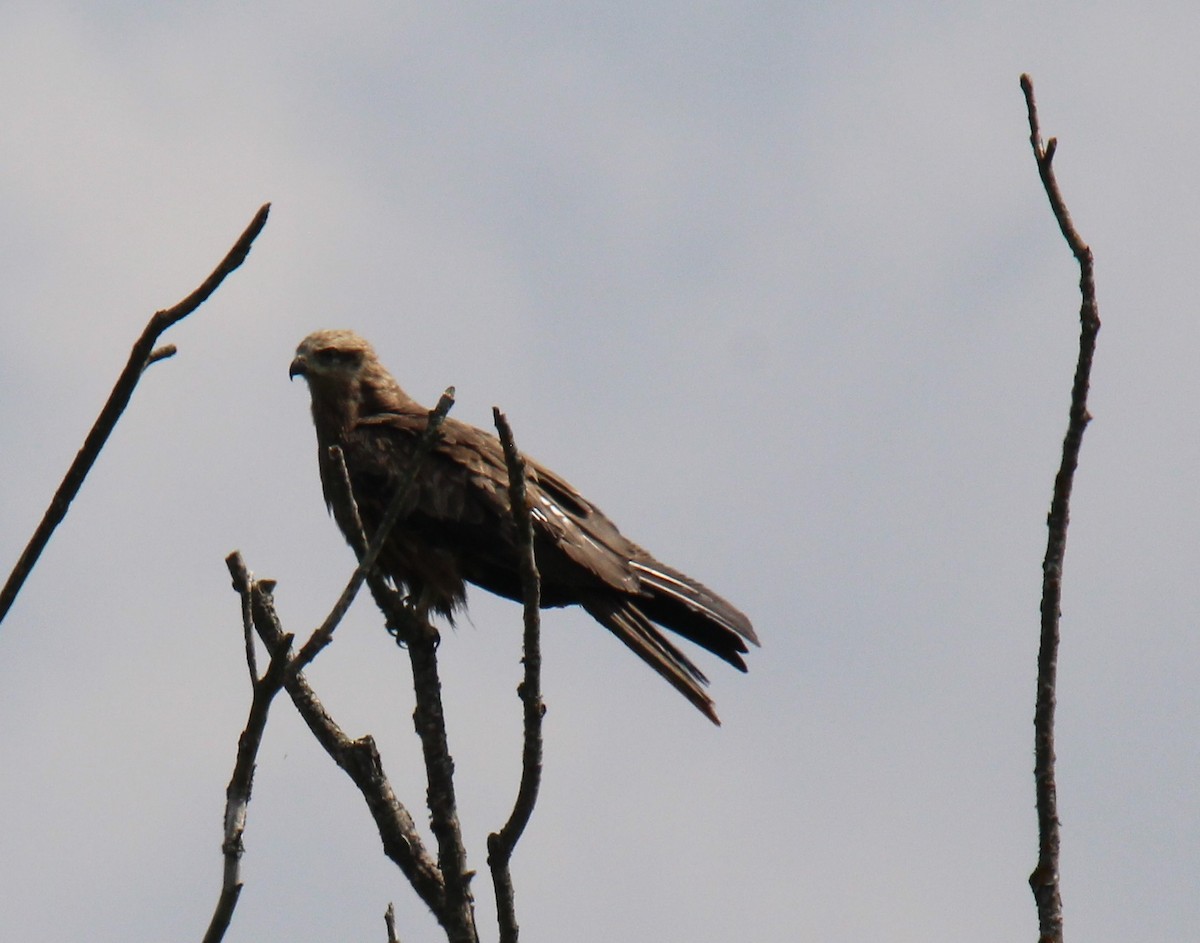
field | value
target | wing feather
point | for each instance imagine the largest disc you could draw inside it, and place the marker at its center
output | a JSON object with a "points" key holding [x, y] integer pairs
{"points": [[462, 508]]}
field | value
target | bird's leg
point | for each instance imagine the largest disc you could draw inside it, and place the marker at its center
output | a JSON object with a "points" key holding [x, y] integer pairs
{"points": [[420, 608], [408, 617]]}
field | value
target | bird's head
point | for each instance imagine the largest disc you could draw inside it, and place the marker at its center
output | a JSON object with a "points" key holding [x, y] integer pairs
{"points": [[346, 379], [331, 358]]}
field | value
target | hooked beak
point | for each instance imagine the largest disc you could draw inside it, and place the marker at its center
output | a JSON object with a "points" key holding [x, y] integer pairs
{"points": [[299, 368]]}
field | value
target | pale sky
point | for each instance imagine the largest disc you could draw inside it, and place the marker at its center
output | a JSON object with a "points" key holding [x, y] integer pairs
{"points": [[778, 288]]}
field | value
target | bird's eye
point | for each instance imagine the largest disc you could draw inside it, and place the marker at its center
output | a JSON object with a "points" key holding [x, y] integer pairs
{"points": [[331, 356]]}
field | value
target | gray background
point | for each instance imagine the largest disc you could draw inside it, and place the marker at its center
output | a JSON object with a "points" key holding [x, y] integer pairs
{"points": [[777, 286]]}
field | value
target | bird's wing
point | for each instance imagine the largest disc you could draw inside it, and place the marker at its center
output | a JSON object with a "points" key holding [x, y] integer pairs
{"points": [[578, 528], [463, 490], [590, 539], [464, 483], [463, 505]]}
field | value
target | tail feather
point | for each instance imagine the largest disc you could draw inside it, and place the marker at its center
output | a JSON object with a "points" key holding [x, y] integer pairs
{"points": [[694, 611], [627, 622]]}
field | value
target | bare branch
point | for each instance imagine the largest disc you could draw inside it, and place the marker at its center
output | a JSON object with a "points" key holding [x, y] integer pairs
{"points": [[429, 720], [1044, 881], [243, 589], [359, 534], [502, 843], [389, 920], [141, 356], [237, 795], [358, 758], [421, 640]]}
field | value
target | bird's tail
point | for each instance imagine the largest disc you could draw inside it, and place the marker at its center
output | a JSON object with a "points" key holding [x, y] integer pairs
{"points": [[627, 622], [678, 603], [682, 605]]}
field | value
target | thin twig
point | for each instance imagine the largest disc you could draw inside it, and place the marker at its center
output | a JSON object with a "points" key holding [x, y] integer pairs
{"points": [[248, 629], [324, 633], [389, 920], [357, 533], [237, 795], [360, 760], [1044, 881], [140, 357], [502, 843]]}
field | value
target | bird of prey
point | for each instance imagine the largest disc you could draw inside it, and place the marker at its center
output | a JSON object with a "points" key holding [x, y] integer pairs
{"points": [[457, 527]]}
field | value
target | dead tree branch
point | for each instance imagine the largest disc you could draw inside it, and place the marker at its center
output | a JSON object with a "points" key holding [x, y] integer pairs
{"points": [[237, 795], [141, 356], [389, 921], [1044, 881], [502, 843], [360, 760], [429, 720]]}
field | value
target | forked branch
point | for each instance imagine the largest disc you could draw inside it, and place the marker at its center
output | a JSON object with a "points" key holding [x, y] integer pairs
{"points": [[237, 794], [359, 758]]}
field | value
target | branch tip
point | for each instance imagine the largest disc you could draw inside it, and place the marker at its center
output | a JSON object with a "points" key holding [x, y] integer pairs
{"points": [[161, 353], [142, 354]]}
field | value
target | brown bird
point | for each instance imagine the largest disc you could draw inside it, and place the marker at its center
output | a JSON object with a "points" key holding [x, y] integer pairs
{"points": [[457, 528]]}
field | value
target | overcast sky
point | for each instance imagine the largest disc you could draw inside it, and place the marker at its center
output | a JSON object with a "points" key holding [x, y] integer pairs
{"points": [[774, 284]]}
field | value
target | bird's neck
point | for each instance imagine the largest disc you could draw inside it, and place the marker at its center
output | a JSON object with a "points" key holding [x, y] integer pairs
{"points": [[338, 408]]}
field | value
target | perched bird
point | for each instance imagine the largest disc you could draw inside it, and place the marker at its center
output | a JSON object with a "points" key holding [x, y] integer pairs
{"points": [[457, 526]]}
